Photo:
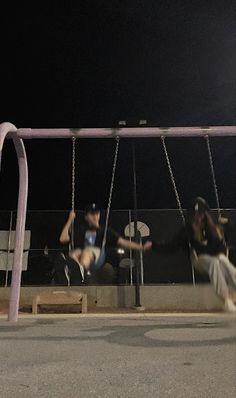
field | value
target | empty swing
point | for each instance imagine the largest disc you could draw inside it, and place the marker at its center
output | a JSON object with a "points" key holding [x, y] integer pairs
{"points": [[180, 208]]}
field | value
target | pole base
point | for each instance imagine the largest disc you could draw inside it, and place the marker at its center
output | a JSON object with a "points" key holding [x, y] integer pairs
{"points": [[139, 308]]}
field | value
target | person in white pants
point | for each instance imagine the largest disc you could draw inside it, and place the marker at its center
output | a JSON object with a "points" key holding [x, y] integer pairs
{"points": [[206, 238], [222, 274]]}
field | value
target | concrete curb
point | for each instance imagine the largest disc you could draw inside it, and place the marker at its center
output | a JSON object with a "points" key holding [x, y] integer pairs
{"points": [[127, 316]]}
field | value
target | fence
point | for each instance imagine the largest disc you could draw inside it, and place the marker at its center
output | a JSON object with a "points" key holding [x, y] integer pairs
{"points": [[42, 248]]}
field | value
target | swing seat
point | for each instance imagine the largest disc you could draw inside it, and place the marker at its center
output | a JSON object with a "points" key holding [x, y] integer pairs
{"points": [[100, 262]]}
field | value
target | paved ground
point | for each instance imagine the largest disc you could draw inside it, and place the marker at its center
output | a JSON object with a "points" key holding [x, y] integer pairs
{"points": [[119, 356]]}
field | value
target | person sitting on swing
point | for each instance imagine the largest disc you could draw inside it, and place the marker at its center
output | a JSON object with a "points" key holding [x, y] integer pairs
{"points": [[89, 239], [207, 242]]}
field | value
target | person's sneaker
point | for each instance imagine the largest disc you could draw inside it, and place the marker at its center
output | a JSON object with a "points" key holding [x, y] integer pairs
{"points": [[229, 306], [67, 275], [81, 271]]}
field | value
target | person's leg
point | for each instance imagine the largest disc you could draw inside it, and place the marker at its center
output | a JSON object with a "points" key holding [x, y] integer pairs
{"points": [[86, 259], [211, 265], [75, 254], [60, 278], [76, 276], [229, 269], [217, 274]]}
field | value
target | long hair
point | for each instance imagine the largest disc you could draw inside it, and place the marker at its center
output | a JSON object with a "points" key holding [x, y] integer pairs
{"points": [[207, 224]]}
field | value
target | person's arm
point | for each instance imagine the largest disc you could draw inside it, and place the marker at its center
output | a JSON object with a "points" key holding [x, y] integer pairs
{"points": [[178, 241], [65, 236], [129, 244]]}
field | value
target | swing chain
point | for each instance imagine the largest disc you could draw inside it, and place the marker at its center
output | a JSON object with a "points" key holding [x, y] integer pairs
{"points": [[111, 191], [173, 180], [178, 200], [213, 175], [73, 174], [71, 245]]}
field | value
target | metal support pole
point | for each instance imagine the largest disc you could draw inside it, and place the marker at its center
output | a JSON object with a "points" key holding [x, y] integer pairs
{"points": [[9, 248], [20, 230], [136, 232], [132, 132], [130, 252], [10, 129], [141, 261]]}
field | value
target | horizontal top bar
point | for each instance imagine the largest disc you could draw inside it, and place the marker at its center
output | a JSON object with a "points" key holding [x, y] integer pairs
{"points": [[129, 132]]}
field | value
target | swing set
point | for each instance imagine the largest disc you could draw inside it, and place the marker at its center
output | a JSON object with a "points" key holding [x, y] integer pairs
{"points": [[18, 135]]}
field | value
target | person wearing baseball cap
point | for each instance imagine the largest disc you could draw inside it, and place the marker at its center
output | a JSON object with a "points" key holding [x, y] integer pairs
{"points": [[88, 239], [207, 242], [92, 208]]}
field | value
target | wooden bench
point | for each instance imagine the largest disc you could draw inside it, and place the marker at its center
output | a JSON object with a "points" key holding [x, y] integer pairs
{"points": [[59, 297]]}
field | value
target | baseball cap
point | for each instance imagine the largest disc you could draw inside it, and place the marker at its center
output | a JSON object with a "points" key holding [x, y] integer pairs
{"points": [[199, 205], [91, 208]]}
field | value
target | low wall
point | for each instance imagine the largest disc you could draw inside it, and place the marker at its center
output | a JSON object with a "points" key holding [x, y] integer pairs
{"points": [[158, 297]]}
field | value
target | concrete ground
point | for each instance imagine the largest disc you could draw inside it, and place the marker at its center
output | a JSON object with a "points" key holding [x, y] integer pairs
{"points": [[127, 355]]}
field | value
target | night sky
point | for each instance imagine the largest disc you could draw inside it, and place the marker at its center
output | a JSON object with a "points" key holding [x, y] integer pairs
{"points": [[93, 63]]}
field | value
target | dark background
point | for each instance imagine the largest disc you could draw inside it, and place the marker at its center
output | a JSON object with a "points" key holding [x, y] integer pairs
{"points": [[92, 63]]}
